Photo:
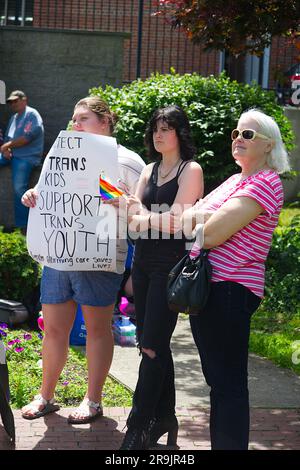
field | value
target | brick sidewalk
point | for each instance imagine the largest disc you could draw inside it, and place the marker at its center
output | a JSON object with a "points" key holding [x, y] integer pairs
{"points": [[270, 430]]}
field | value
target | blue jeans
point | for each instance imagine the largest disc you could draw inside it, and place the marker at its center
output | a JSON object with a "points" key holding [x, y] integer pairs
{"points": [[21, 171], [221, 333], [95, 288]]}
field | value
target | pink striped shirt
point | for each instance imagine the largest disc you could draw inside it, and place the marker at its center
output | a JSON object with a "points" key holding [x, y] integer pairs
{"points": [[242, 257]]}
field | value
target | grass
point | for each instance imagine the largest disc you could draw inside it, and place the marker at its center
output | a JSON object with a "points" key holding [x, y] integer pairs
{"points": [[25, 374], [277, 336], [277, 339]]}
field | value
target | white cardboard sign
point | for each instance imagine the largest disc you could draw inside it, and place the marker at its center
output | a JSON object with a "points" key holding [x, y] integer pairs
{"points": [[70, 229]]}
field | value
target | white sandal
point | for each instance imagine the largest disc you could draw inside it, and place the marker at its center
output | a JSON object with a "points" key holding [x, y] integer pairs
{"points": [[86, 416], [49, 407]]}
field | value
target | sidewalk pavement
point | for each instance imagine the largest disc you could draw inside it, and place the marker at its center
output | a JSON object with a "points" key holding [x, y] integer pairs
{"points": [[270, 430], [274, 400], [269, 385]]}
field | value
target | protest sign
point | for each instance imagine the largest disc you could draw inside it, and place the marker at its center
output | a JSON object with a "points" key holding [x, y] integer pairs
{"points": [[70, 229]]}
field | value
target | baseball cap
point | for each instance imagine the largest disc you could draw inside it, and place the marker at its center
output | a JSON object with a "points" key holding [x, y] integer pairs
{"points": [[16, 95]]}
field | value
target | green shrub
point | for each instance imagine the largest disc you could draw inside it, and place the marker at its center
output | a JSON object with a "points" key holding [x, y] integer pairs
{"points": [[213, 105], [275, 326], [283, 271], [19, 273]]}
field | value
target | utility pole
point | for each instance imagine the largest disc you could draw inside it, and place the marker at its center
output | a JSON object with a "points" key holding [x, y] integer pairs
{"points": [[140, 35]]}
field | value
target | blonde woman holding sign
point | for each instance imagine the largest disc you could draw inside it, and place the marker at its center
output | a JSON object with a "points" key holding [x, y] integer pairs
{"points": [[95, 291]]}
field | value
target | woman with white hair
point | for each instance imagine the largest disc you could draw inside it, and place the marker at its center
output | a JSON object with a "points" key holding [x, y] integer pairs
{"points": [[237, 221]]}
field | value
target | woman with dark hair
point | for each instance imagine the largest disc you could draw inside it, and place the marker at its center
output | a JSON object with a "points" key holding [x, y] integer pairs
{"points": [[165, 188], [177, 120]]}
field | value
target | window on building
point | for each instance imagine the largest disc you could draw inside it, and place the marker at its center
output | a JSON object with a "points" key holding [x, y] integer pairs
{"points": [[16, 12]]}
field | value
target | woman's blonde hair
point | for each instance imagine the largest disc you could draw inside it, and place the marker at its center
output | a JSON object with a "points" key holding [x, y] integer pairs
{"points": [[99, 107], [278, 157]]}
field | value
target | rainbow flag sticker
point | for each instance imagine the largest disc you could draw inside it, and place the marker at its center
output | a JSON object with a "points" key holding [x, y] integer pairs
{"points": [[107, 190]]}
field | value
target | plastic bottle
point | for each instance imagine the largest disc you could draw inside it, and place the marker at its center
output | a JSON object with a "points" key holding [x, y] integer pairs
{"points": [[78, 333], [124, 331]]}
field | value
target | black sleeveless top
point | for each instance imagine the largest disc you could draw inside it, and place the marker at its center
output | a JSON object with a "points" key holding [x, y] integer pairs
{"points": [[161, 195], [159, 199]]}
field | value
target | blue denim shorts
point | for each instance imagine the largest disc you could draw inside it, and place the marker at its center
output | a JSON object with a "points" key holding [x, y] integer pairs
{"points": [[94, 288]]}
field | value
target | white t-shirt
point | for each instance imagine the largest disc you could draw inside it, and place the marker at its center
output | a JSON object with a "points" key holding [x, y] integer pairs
{"points": [[130, 168]]}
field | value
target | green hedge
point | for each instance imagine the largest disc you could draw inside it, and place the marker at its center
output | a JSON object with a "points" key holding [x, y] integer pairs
{"points": [[19, 273], [213, 105], [275, 328], [283, 271]]}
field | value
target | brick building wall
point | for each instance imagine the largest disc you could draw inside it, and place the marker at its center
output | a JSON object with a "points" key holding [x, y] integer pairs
{"points": [[60, 71], [282, 56], [162, 47]]}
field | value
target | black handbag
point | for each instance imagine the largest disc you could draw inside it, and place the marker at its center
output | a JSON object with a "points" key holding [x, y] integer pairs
{"points": [[189, 284]]}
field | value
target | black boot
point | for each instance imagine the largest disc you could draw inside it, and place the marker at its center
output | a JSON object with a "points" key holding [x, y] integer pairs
{"points": [[136, 438], [161, 426]]}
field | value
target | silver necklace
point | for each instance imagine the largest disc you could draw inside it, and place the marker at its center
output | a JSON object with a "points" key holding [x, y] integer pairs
{"points": [[170, 171]]}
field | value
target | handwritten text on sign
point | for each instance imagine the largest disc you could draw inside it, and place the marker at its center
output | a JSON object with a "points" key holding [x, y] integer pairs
{"points": [[70, 229]]}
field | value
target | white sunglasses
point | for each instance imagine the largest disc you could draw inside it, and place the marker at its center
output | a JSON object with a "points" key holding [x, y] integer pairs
{"points": [[247, 134]]}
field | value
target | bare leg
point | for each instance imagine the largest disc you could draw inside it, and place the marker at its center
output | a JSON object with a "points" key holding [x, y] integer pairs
{"points": [[58, 321], [99, 351]]}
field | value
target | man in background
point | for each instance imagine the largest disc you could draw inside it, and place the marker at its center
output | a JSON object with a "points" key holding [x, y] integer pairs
{"points": [[22, 148]]}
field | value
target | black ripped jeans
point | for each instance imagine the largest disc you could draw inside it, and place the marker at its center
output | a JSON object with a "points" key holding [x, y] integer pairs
{"points": [[154, 395], [221, 333]]}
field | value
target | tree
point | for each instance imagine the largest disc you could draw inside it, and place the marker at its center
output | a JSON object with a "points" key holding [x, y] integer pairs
{"points": [[237, 26]]}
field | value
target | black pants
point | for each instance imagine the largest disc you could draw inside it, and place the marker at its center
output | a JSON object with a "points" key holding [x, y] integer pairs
{"points": [[121, 292], [221, 333], [155, 391]]}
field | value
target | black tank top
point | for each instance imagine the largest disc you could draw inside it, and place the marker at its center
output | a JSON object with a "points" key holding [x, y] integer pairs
{"points": [[159, 199], [161, 195]]}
